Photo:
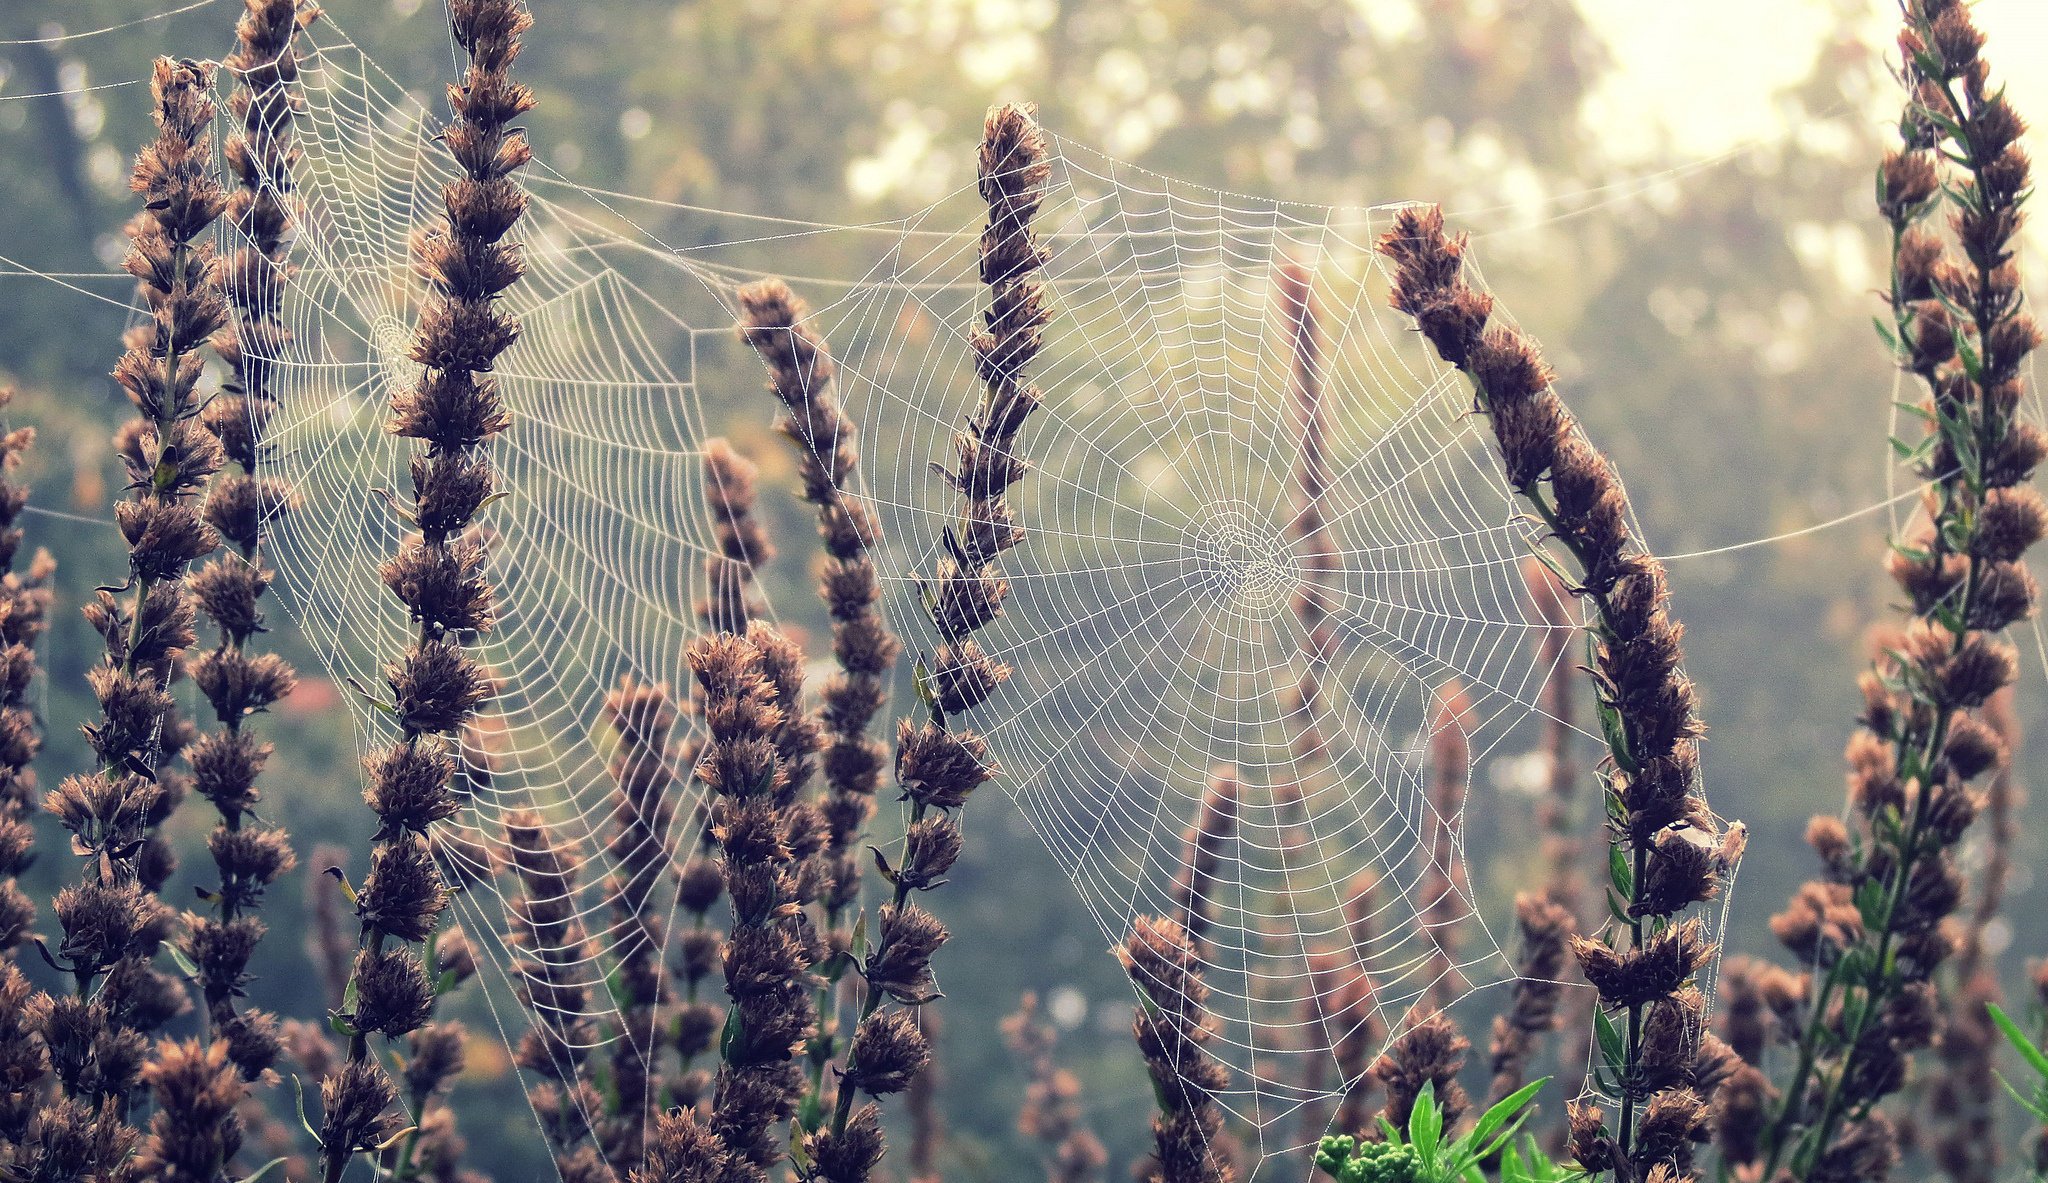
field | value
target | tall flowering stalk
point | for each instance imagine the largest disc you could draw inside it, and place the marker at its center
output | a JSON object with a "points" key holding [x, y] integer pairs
{"points": [[642, 811], [553, 971], [1051, 1114], [1872, 928], [1172, 1028], [1204, 847], [1964, 1095], [1429, 1054], [802, 377], [436, 687], [24, 606], [1546, 930], [1352, 1008], [237, 680], [748, 684], [1440, 877], [1669, 852], [97, 1034], [24, 610], [730, 487], [936, 766], [1550, 603], [1318, 550]]}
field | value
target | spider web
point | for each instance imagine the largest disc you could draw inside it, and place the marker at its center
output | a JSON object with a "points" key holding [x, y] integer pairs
{"points": [[596, 546], [1152, 627]]}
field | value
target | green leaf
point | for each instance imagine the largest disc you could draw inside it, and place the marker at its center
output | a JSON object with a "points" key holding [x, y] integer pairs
{"points": [[1425, 1124], [1620, 874], [263, 1170], [2034, 1056], [1507, 1108], [1615, 731], [299, 1098], [1613, 1048], [734, 1028], [181, 960]]}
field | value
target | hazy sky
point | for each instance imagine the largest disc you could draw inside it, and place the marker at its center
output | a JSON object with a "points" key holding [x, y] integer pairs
{"points": [[1709, 69]]}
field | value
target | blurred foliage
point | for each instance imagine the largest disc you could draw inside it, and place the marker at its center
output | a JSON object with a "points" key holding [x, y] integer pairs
{"points": [[1710, 325]]}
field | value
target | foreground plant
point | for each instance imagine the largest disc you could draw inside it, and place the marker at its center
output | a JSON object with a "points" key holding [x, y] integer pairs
{"points": [[1421, 1150], [1173, 1028], [436, 686], [1668, 850], [1872, 928], [803, 378], [939, 765], [237, 678]]}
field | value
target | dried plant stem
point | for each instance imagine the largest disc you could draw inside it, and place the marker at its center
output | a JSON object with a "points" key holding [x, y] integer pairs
{"points": [[1442, 886], [1171, 1028], [1546, 930], [1873, 926], [642, 815], [1669, 850], [238, 681], [24, 608], [1051, 1114], [937, 766], [436, 686], [97, 1035], [24, 612], [802, 377]]}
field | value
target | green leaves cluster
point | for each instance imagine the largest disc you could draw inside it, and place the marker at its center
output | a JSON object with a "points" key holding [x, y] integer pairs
{"points": [[1421, 1153]]}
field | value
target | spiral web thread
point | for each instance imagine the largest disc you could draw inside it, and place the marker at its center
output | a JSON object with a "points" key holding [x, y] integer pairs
{"points": [[1152, 625]]}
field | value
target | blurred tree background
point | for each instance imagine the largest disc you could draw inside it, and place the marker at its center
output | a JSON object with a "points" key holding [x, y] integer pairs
{"points": [[1711, 320]]}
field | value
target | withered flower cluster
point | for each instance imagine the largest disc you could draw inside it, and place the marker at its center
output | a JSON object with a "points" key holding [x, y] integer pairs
{"points": [[1546, 930], [749, 685], [1871, 928], [196, 1131], [642, 812], [939, 767], [1204, 848], [966, 591], [1674, 854], [24, 606], [698, 953], [1429, 1053], [1316, 549], [801, 376], [97, 1037], [1172, 1029], [237, 680], [454, 409], [1051, 1114], [554, 970], [1444, 894], [731, 484], [24, 611]]}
